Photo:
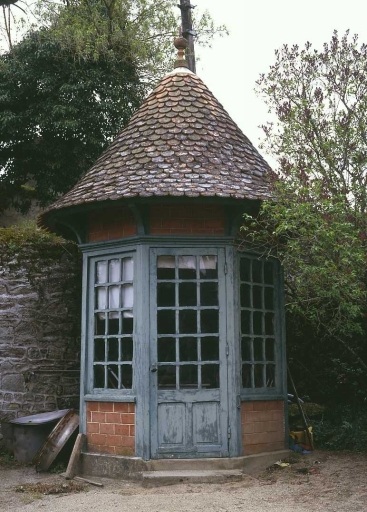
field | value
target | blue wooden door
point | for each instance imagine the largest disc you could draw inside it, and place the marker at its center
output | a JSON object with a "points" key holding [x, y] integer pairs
{"points": [[189, 354]]}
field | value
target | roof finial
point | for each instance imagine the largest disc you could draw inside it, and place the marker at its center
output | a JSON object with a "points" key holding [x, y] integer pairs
{"points": [[181, 44]]}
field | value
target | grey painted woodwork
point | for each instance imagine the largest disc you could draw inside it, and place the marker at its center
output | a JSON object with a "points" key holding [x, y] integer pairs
{"points": [[187, 381], [189, 404]]}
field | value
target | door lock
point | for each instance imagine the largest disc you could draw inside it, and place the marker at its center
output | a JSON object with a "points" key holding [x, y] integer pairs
{"points": [[154, 368]]}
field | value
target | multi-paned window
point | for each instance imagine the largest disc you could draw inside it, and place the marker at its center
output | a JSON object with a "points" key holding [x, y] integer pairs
{"points": [[188, 322], [113, 323], [258, 337]]}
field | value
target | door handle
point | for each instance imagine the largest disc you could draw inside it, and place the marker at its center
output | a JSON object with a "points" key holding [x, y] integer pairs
{"points": [[154, 368]]}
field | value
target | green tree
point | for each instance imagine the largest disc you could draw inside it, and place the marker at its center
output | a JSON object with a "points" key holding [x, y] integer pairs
{"points": [[317, 223], [72, 83], [57, 114]]}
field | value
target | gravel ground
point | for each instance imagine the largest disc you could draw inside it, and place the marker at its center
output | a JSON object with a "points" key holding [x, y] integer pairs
{"points": [[327, 482]]}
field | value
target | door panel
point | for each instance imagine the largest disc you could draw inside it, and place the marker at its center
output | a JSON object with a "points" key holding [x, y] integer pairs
{"points": [[171, 421], [188, 354], [206, 425]]}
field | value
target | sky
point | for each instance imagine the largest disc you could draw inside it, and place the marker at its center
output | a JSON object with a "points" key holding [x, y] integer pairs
{"points": [[257, 28]]}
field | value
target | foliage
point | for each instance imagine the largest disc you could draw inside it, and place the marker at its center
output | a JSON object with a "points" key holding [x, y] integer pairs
{"points": [[320, 100], [28, 232], [72, 83], [7, 460], [316, 224], [142, 29], [57, 114], [322, 253], [342, 428]]}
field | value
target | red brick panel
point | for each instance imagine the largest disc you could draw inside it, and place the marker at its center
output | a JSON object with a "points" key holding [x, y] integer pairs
{"points": [[187, 219], [111, 224], [262, 426], [111, 427]]}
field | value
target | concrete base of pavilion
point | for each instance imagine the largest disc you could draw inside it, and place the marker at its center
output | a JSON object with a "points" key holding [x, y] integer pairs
{"points": [[169, 471]]}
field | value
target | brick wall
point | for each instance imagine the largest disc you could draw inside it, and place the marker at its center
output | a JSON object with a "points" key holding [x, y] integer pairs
{"points": [[187, 219], [111, 224], [262, 426], [111, 427], [165, 219]]}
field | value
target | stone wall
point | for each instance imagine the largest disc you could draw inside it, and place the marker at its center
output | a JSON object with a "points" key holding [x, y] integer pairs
{"points": [[40, 283]]}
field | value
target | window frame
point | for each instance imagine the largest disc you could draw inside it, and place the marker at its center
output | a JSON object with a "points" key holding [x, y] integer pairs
{"points": [[107, 393], [264, 393]]}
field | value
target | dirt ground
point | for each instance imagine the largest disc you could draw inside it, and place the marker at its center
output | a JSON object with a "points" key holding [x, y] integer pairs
{"points": [[321, 481]]}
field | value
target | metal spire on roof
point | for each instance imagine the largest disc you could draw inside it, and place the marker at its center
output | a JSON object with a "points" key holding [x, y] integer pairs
{"points": [[188, 32]]}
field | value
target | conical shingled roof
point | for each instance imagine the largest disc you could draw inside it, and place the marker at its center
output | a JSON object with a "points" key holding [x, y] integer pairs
{"points": [[181, 142]]}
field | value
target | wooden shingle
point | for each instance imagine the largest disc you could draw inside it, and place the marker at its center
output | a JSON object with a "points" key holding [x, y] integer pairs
{"points": [[181, 142]]}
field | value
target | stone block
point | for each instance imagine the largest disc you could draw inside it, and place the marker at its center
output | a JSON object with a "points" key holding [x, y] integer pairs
{"points": [[13, 382]]}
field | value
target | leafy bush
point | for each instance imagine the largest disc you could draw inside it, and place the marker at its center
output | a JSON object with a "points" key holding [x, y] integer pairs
{"points": [[342, 428]]}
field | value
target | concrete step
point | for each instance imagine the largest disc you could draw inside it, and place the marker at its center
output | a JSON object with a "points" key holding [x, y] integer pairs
{"points": [[243, 463], [119, 466], [154, 478]]}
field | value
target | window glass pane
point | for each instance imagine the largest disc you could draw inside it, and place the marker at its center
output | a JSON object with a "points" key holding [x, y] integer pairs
{"points": [[165, 294], [187, 267], [258, 349], [209, 294], [113, 349], [246, 376], [257, 297], [257, 271], [166, 350], [269, 298], [165, 267], [188, 349], [210, 348], [257, 322], [245, 322], [101, 272], [114, 271], [99, 350], [246, 349], [166, 322], [127, 269], [245, 295], [127, 348], [113, 326], [127, 298], [112, 376], [245, 269], [187, 294], [101, 298], [188, 321], [126, 376], [127, 324], [99, 376], [188, 376], [259, 375], [99, 324], [269, 350], [268, 272], [210, 376], [166, 377], [208, 267], [269, 323], [270, 376], [114, 297], [209, 320]]}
